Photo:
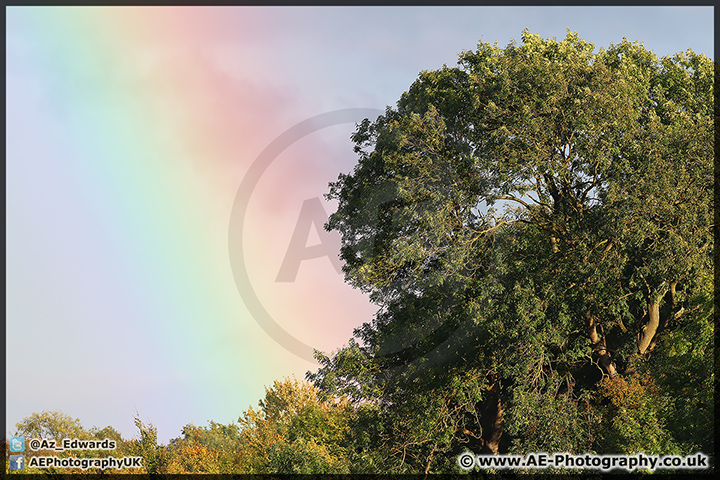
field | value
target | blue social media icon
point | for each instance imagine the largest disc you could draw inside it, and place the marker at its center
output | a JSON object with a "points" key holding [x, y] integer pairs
{"points": [[17, 444], [17, 462]]}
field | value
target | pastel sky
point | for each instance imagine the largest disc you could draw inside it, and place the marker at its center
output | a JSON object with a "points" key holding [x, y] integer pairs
{"points": [[131, 133]]}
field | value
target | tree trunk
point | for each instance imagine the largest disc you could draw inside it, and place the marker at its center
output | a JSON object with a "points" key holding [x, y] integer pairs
{"points": [[600, 346], [648, 330], [491, 420]]}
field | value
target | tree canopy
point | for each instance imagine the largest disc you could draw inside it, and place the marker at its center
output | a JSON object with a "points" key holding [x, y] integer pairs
{"points": [[535, 225]]}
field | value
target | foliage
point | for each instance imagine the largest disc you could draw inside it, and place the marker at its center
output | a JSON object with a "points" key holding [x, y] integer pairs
{"points": [[294, 432], [154, 456], [212, 449], [683, 367], [635, 417], [51, 425], [552, 420]]}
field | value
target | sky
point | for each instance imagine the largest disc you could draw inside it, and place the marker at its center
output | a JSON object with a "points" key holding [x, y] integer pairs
{"points": [[165, 172]]}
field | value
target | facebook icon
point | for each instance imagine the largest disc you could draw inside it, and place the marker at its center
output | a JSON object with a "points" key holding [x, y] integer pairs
{"points": [[17, 462]]}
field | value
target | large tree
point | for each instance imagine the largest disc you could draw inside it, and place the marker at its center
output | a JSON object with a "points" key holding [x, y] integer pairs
{"points": [[530, 221]]}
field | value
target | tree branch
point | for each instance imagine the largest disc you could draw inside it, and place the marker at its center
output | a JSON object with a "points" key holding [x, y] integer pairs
{"points": [[599, 345]]}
